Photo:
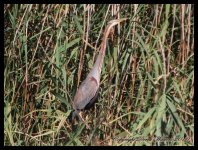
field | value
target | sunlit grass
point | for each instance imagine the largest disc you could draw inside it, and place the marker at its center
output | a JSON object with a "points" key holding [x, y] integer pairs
{"points": [[147, 81]]}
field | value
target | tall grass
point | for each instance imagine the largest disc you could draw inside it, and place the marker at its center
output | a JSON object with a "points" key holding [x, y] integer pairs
{"points": [[146, 94]]}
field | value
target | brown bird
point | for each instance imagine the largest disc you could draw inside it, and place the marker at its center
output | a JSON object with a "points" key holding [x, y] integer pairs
{"points": [[88, 90]]}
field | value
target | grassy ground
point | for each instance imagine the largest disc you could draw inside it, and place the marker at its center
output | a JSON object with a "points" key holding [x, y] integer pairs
{"points": [[146, 95]]}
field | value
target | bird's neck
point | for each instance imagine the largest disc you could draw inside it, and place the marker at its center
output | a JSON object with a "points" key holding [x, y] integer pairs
{"points": [[96, 70]]}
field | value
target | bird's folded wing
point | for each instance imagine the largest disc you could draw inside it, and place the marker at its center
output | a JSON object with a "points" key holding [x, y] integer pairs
{"points": [[85, 93]]}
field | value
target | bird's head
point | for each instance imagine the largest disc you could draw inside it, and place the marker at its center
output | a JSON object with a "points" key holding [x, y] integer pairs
{"points": [[116, 21]]}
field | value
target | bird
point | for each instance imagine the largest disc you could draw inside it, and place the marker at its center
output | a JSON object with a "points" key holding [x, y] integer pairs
{"points": [[87, 92]]}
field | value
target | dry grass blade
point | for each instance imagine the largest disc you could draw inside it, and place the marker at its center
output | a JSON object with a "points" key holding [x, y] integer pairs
{"points": [[147, 79]]}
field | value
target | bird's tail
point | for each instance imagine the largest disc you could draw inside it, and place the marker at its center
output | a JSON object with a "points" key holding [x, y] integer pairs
{"points": [[72, 116]]}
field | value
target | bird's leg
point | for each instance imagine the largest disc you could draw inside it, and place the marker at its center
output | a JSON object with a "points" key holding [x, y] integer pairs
{"points": [[80, 114]]}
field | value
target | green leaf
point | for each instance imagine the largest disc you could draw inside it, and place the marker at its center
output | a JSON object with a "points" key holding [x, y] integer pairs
{"points": [[125, 61], [79, 26], [176, 117], [71, 43], [57, 95], [146, 117]]}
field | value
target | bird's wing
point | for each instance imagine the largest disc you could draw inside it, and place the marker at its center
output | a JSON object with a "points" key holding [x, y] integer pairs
{"points": [[85, 93]]}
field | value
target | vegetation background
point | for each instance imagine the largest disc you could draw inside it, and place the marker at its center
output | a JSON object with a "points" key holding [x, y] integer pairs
{"points": [[147, 82]]}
